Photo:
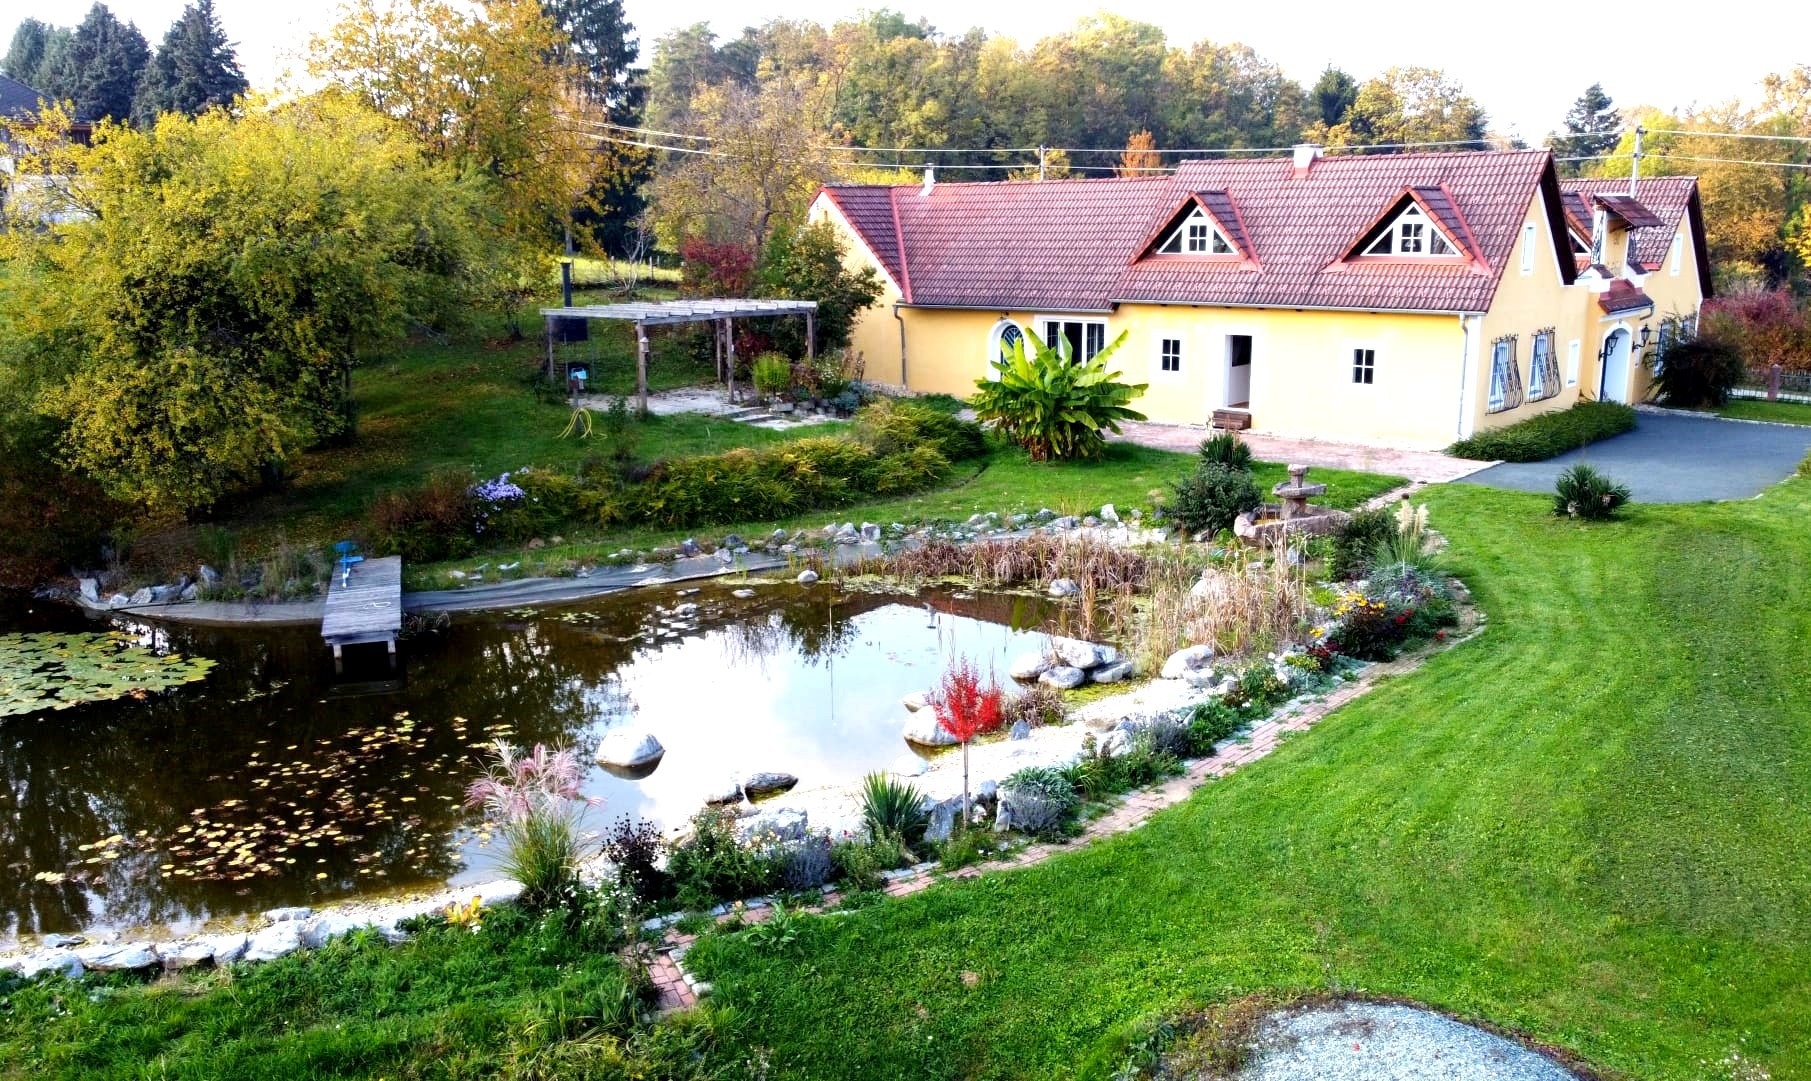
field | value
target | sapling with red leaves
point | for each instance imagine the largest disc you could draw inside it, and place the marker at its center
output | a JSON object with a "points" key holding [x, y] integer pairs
{"points": [[966, 708]]}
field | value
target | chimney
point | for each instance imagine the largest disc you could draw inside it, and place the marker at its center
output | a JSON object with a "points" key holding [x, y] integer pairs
{"points": [[930, 180], [1305, 155]]}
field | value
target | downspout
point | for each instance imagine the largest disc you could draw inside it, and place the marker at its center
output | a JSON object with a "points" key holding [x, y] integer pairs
{"points": [[1468, 330], [902, 348]]}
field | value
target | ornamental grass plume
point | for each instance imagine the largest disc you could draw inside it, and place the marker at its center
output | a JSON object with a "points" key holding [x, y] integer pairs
{"points": [[535, 803], [966, 708]]}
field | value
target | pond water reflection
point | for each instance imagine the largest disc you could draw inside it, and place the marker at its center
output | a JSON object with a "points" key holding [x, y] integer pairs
{"points": [[274, 782]]}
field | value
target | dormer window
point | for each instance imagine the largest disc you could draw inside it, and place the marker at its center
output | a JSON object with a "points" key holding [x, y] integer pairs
{"points": [[1196, 235], [1412, 234]]}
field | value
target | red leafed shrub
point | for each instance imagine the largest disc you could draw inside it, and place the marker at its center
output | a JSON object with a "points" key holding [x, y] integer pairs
{"points": [[715, 270], [1766, 326], [965, 708]]}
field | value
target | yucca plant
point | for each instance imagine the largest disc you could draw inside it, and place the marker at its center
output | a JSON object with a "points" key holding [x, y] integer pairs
{"points": [[1054, 405], [892, 807], [1583, 492], [1227, 449], [533, 801]]}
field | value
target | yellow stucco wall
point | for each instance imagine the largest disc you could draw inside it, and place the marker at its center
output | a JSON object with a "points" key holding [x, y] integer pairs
{"points": [[876, 335], [1524, 304], [1300, 376]]}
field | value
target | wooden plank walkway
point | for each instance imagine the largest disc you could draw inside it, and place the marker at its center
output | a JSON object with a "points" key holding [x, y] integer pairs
{"points": [[367, 608]]}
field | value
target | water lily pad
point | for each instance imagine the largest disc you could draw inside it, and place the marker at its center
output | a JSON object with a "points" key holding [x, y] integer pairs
{"points": [[51, 671]]}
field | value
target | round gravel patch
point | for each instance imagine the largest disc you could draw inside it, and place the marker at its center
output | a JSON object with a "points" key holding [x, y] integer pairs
{"points": [[1367, 1041]]}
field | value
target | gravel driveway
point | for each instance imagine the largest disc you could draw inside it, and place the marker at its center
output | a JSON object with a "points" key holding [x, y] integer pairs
{"points": [[1367, 1041], [1674, 458]]}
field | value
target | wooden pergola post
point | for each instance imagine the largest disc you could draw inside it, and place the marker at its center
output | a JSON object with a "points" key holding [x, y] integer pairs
{"points": [[810, 335], [729, 352], [550, 348], [641, 368]]}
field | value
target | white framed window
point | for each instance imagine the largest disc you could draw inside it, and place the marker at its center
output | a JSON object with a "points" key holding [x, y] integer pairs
{"points": [[1677, 255], [1528, 233], [1412, 234], [1543, 367], [1505, 377], [1076, 339], [1572, 350], [1364, 366], [1003, 342], [1196, 236], [1169, 355]]}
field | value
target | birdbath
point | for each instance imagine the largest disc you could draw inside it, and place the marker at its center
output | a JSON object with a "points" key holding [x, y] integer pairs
{"points": [[1296, 491]]}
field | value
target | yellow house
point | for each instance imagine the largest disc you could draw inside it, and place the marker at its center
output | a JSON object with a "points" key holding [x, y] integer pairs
{"points": [[1400, 300]]}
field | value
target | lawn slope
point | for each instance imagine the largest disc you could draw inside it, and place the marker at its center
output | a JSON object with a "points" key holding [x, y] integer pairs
{"points": [[1589, 823]]}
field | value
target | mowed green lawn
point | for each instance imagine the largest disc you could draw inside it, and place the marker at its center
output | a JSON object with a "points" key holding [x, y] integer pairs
{"points": [[1777, 412], [1591, 823]]}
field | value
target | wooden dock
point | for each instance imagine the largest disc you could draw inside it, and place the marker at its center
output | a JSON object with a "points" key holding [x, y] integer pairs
{"points": [[366, 608]]}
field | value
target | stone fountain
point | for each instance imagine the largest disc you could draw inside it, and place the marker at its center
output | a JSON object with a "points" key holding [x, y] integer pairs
{"points": [[1294, 515]]}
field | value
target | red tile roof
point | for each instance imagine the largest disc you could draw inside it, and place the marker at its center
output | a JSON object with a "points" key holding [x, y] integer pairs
{"points": [[1074, 244], [1670, 199], [1624, 297], [1629, 209]]}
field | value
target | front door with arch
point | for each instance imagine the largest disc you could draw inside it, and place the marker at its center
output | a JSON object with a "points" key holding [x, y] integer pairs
{"points": [[1614, 383]]}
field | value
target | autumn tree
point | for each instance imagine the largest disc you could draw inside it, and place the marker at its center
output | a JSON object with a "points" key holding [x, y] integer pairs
{"points": [[767, 154], [966, 708], [195, 327], [195, 69], [1140, 157], [598, 44], [485, 90]]}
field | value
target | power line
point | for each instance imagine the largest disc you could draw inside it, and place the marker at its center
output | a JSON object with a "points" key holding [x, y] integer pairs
{"points": [[1728, 161], [1730, 135]]}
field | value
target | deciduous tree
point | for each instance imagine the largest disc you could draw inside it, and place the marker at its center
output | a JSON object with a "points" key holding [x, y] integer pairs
{"points": [[198, 325], [1405, 105], [1140, 157]]}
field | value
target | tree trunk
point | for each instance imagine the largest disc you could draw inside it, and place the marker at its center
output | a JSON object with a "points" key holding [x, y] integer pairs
{"points": [[965, 784]]}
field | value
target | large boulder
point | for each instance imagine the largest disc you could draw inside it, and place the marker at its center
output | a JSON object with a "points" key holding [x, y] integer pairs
{"points": [[1029, 666], [226, 948], [1079, 654], [327, 927], [922, 728], [1186, 660], [778, 824], [1064, 587], [759, 785], [91, 589], [277, 940], [941, 819], [916, 701], [1064, 677], [626, 748], [32, 965], [125, 957], [1112, 673], [141, 596], [176, 956]]}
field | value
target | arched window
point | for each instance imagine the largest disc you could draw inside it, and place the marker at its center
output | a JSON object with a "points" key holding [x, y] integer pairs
{"points": [[1003, 342]]}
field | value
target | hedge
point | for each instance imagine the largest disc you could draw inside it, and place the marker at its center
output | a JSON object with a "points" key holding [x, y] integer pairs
{"points": [[1539, 438]]}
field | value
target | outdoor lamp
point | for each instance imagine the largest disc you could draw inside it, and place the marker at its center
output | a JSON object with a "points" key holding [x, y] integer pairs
{"points": [[1646, 333]]}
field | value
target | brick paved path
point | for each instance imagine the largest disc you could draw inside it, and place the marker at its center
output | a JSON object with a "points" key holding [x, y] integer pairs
{"points": [[1426, 466]]}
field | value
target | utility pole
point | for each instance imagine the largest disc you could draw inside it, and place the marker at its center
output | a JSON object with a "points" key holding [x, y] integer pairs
{"points": [[1040, 163], [1635, 163]]}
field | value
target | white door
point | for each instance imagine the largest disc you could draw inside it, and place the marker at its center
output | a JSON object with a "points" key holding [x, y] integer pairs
{"points": [[1238, 370], [1615, 385]]}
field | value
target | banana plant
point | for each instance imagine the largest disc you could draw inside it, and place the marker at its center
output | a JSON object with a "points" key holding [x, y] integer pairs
{"points": [[1053, 406]]}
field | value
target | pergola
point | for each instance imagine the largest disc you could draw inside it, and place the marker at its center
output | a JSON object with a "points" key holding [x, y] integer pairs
{"points": [[644, 314]]}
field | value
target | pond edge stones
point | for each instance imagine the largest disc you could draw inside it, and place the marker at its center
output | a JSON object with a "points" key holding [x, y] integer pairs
{"points": [[627, 748], [1067, 663]]}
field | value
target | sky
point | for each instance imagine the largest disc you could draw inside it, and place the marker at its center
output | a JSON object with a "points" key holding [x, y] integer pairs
{"points": [[1526, 68]]}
